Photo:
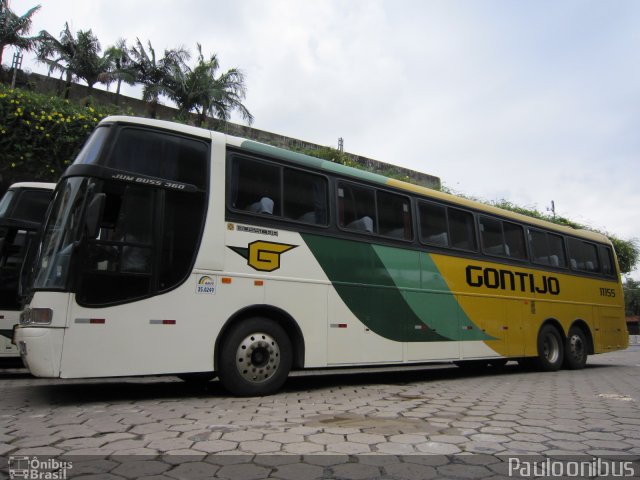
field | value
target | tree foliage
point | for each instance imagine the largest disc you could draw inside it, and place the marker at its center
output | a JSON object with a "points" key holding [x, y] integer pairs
{"points": [[206, 92], [40, 134], [153, 73], [631, 297], [74, 56], [14, 28]]}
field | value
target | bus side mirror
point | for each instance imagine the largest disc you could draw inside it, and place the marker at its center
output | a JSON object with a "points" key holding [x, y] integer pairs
{"points": [[94, 215]]}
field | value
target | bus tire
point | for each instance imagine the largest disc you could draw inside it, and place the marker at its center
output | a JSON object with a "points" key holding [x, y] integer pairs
{"points": [[576, 349], [256, 358], [550, 349]]}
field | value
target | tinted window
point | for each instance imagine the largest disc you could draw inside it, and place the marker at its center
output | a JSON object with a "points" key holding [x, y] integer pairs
{"points": [[606, 260], [92, 147], [13, 245], [357, 208], [547, 249], [305, 197], [268, 189], [461, 229], [491, 233], [557, 255], [394, 215], [446, 226], [6, 201], [32, 205], [433, 224], [161, 155], [256, 187], [503, 238], [147, 242], [583, 256], [514, 241]]}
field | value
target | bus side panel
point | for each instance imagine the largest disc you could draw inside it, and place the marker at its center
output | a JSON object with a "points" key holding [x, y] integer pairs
{"points": [[440, 312], [350, 341], [306, 303], [613, 331], [170, 333]]}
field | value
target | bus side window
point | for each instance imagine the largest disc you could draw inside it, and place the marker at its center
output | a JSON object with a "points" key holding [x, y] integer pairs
{"points": [[433, 224], [514, 240], [394, 215], [356, 208], [557, 255], [606, 260], [305, 197], [256, 186], [583, 256], [461, 230], [491, 233]]}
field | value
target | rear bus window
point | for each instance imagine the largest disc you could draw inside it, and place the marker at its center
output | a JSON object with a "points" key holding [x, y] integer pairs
{"points": [[606, 260]]}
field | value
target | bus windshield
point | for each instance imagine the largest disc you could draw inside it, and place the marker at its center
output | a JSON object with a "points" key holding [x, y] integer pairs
{"points": [[61, 233]]}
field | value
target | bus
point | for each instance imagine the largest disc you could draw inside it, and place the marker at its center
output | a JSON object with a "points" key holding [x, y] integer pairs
{"points": [[171, 249], [22, 210]]}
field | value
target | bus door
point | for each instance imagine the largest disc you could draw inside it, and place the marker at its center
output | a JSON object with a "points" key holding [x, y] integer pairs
{"points": [[131, 280]]}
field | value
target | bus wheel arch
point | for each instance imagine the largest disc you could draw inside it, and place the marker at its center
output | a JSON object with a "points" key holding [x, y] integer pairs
{"points": [[578, 345], [551, 345], [274, 314]]}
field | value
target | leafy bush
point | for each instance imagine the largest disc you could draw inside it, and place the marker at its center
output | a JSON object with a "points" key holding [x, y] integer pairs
{"points": [[40, 134]]}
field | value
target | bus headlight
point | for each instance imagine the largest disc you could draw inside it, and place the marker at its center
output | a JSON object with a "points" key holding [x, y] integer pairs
{"points": [[36, 316]]}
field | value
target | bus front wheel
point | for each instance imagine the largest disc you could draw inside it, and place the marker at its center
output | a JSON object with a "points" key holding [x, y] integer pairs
{"points": [[550, 349], [256, 357], [575, 356]]}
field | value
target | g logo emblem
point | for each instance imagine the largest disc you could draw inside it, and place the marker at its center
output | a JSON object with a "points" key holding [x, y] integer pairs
{"points": [[263, 256]]}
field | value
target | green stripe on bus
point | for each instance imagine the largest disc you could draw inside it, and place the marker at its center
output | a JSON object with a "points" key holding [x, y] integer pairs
{"points": [[312, 162], [397, 293], [427, 293], [365, 285]]}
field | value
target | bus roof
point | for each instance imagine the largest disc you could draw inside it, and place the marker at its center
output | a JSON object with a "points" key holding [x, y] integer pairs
{"points": [[332, 167]]}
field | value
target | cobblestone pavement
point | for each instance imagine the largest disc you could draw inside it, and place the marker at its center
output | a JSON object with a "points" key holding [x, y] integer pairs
{"points": [[391, 424]]}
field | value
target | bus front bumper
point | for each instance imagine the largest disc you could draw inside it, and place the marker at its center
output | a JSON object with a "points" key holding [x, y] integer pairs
{"points": [[40, 349]]}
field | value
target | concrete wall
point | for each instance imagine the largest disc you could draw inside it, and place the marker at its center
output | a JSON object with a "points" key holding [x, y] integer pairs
{"points": [[54, 86]]}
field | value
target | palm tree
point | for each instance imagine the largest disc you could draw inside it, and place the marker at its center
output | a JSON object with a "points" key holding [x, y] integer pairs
{"points": [[77, 56], [209, 94], [122, 67], [14, 28], [153, 73]]}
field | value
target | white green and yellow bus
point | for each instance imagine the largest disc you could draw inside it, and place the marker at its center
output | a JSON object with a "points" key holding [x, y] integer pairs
{"points": [[171, 249], [22, 211]]}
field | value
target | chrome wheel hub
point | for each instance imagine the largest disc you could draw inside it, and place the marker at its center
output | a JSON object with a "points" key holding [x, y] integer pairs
{"points": [[258, 357]]}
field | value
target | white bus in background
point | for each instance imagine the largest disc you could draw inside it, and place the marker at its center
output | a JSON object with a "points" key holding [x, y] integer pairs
{"points": [[22, 211], [172, 249]]}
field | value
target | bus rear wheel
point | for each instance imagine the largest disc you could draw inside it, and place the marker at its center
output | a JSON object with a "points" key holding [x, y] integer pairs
{"points": [[256, 358], [550, 349], [575, 356]]}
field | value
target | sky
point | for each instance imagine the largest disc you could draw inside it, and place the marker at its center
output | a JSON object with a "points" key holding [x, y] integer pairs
{"points": [[528, 101]]}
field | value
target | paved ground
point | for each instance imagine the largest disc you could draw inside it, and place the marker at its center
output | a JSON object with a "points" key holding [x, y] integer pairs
{"points": [[416, 423]]}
